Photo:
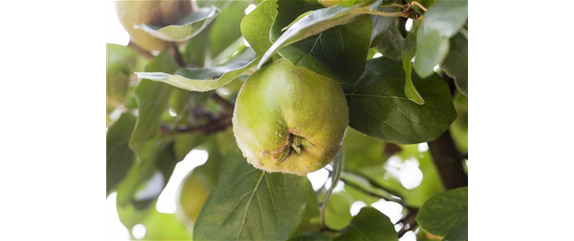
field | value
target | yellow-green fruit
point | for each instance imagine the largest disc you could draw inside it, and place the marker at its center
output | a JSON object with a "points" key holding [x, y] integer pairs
{"points": [[289, 119], [192, 196], [329, 3], [151, 12], [120, 63]]}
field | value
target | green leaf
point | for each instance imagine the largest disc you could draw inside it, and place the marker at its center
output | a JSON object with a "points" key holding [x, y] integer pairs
{"points": [[440, 22], [208, 172], [204, 79], [386, 36], [381, 26], [446, 214], [121, 61], [410, 90], [460, 233], [249, 204], [162, 226], [225, 29], [409, 49], [332, 42], [183, 144], [152, 98], [130, 216], [362, 151], [369, 224], [337, 214], [456, 62], [379, 108], [195, 52], [316, 20], [195, 189], [310, 219], [459, 128], [139, 191], [256, 25], [119, 156], [392, 41], [311, 236], [185, 29], [339, 53], [145, 181]]}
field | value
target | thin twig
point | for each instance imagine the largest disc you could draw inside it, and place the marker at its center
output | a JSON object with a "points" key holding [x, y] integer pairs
{"points": [[338, 165], [394, 5], [176, 54], [378, 186], [217, 124], [389, 197], [140, 50], [327, 229], [406, 228], [415, 3], [217, 98], [409, 221]]}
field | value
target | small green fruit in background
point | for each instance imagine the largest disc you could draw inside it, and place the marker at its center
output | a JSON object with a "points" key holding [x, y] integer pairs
{"points": [[289, 119], [329, 3], [151, 12], [192, 196], [121, 62]]}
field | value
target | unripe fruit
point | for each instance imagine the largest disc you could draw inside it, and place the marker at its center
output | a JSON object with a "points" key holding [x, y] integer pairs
{"points": [[289, 119], [120, 63], [192, 196], [151, 12]]}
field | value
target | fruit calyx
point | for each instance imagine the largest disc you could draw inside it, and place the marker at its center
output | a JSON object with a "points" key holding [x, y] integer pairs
{"points": [[294, 143]]}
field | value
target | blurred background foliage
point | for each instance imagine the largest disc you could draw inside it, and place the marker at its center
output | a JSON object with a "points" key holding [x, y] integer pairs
{"points": [[154, 128]]}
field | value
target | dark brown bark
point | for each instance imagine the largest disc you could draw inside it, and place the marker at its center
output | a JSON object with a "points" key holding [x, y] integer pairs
{"points": [[409, 222], [448, 162]]}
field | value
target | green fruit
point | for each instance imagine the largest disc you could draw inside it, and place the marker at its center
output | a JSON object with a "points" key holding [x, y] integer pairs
{"points": [[329, 3], [120, 63], [289, 119], [192, 196], [151, 12]]}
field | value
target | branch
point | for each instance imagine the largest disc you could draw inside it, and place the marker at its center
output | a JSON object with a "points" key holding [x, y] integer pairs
{"points": [[448, 161], [226, 105], [217, 124], [377, 185], [389, 196], [176, 54], [409, 221], [214, 124], [391, 149]]}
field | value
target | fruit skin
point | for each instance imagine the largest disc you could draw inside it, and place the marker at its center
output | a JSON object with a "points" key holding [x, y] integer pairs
{"points": [[192, 196], [281, 100], [152, 12], [121, 62], [329, 3]]}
